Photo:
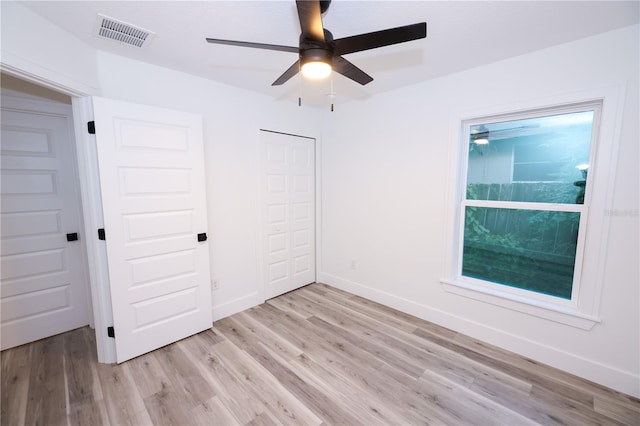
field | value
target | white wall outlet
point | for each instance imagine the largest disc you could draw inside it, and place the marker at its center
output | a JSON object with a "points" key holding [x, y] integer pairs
{"points": [[215, 284]]}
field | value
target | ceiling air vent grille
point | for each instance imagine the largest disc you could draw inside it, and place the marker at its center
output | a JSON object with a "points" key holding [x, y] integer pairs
{"points": [[123, 32]]}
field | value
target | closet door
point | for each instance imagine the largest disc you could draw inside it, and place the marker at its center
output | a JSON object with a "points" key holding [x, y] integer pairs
{"points": [[288, 212]]}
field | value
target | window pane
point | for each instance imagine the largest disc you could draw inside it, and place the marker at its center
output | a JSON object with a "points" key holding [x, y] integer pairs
{"points": [[528, 249], [543, 159]]}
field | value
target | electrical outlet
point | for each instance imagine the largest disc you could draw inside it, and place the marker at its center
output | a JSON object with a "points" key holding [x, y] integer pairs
{"points": [[215, 284]]}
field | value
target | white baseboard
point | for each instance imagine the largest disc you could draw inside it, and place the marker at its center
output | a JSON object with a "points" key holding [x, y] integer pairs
{"points": [[605, 375], [234, 306]]}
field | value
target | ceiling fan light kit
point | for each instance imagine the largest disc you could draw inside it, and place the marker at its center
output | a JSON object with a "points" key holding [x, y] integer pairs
{"points": [[481, 140], [316, 70], [315, 62], [319, 54]]}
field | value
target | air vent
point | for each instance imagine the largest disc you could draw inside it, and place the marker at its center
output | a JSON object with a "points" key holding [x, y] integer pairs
{"points": [[122, 32]]}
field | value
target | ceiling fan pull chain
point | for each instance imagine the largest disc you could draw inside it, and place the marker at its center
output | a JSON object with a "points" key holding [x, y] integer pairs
{"points": [[332, 94], [299, 85]]}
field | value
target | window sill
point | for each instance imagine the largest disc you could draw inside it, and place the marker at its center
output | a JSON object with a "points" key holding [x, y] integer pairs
{"points": [[560, 314]]}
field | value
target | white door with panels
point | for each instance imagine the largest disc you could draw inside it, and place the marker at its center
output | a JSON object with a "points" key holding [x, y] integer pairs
{"points": [[44, 287], [153, 191], [288, 212]]}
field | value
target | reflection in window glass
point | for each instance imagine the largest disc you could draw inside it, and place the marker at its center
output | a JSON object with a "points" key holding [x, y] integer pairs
{"points": [[528, 249], [543, 159]]}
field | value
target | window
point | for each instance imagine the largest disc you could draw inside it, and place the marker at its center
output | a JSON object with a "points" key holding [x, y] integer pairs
{"points": [[523, 202]]}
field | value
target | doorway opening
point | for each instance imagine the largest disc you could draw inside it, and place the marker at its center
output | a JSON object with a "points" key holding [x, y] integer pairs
{"points": [[45, 281]]}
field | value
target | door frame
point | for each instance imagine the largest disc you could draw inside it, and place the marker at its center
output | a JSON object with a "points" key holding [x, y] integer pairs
{"points": [[91, 201], [260, 220]]}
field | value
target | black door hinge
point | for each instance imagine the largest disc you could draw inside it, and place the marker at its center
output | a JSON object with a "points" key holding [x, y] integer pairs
{"points": [[202, 237], [101, 235], [91, 127], [111, 332], [72, 237]]}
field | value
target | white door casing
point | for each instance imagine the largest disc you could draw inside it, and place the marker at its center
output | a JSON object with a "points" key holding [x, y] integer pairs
{"points": [[44, 289], [153, 191], [288, 212]]}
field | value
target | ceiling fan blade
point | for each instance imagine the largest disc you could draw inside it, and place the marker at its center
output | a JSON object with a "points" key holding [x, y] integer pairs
{"points": [[310, 19], [293, 70], [346, 68], [381, 38], [254, 45]]}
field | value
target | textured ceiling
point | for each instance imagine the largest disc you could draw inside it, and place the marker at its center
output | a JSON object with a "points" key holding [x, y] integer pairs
{"points": [[460, 35]]}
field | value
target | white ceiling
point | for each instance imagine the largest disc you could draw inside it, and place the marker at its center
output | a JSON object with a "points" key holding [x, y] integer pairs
{"points": [[460, 35]]}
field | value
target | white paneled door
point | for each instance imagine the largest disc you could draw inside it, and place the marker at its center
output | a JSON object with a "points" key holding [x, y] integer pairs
{"points": [[44, 281], [153, 190], [288, 212]]}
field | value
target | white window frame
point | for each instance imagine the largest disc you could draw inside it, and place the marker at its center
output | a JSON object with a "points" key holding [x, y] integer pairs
{"points": [[582, 310]]}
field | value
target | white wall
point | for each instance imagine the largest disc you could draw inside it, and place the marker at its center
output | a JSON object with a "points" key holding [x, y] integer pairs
{"points": [[42, 51], [385, 170]]}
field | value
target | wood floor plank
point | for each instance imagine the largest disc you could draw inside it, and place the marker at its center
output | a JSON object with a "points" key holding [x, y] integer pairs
{"points": [[333, 355], [515, 368], [406, 394], [317, 355], [558, 407], [365, 406], [229, 389], [183, 375], [622, 412], [376, 379], [254, 330], [212, 412], [168, 406], [88, 413], [288, 303], [554, 378], [363, 372], [148, 374], [121, 397], [259, 348], [424, 353], [475, 410], [47, 399], [372, 311], [266, 388], [16, 370], [79, 368]]}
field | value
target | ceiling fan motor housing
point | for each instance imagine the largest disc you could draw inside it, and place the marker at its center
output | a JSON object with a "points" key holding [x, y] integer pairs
{"points": [[315, 55], [313, 50]]}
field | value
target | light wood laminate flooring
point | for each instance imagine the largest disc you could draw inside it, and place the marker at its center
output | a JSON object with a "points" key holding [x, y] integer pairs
{"points": [[314, 356]]}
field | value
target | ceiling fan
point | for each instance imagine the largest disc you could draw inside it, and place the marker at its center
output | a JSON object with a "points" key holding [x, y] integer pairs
{"points": [[482, 135], [319, 53]]}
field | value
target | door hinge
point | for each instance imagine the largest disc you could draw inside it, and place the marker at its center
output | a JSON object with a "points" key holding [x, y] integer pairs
{"points": [[72, 237], [101, 235], [91, 127], [202, 237], [111, 332]]}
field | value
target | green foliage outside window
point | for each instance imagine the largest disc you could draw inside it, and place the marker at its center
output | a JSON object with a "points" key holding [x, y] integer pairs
{"points": [[529, 249]]}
